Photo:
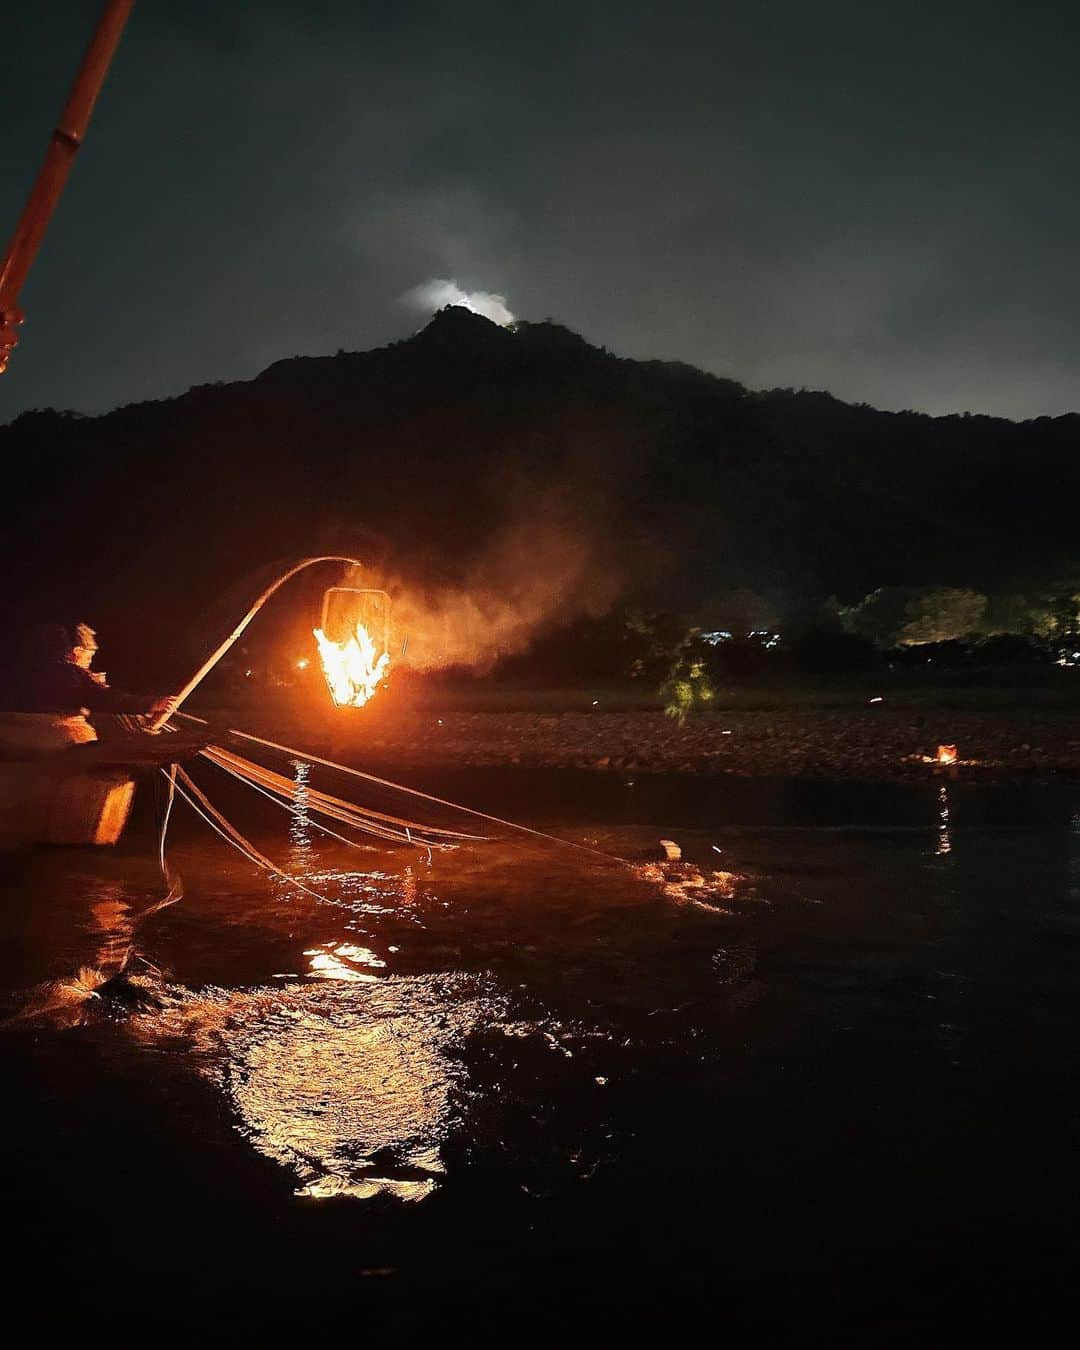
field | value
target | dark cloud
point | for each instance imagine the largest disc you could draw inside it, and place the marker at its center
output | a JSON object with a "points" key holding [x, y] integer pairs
{"points": [[880, 200]]}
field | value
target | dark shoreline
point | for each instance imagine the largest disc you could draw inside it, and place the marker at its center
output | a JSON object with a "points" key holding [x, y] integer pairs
{"points": [[873, 743]]}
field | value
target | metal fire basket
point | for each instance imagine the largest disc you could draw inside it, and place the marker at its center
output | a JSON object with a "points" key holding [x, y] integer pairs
{"points": [[344, 607]]}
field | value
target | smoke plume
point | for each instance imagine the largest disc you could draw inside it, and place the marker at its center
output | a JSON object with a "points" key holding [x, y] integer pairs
{"points": [[440, 292], [540, 572]]}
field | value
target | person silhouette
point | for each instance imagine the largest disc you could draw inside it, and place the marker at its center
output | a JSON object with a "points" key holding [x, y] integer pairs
{"points": [[56, 676]]}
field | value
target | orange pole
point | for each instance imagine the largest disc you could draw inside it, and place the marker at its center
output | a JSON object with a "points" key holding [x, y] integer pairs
{"points": [[64, 145]]}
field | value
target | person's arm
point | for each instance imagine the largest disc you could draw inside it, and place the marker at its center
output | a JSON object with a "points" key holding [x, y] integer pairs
{"points": [[100, 698]]}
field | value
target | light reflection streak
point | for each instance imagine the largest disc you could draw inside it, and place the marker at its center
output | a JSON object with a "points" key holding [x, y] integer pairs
{"points": [[944, 834], [111, 924], [300, 818], [303, 858], [373, 893]]}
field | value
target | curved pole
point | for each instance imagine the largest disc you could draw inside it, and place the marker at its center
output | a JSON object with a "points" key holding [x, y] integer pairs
{"points": [[63, 146], [216, 655]]}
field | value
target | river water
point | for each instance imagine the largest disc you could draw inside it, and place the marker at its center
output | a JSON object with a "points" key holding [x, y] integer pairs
{"points": [[835, 1080]]}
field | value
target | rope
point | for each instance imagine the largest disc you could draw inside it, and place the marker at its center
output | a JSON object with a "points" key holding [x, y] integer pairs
{"points": [[415, 792], [325, 829], [174, 883], [170, 798], [202, 806], [360, 817], [276, 788]]}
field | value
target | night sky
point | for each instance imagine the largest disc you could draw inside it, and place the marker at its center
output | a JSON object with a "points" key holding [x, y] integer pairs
{"points": [[882, 200]]}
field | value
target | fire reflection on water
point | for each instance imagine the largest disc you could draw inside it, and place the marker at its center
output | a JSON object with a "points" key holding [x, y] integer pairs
{"points": [[686, 883], [366, 892], [300, 817], [1073, 864], [113, 927], [344, 1075], [350, 1085], [352, 1077], [343, 961], [115, 968], [944, 833], [347, 1075]]}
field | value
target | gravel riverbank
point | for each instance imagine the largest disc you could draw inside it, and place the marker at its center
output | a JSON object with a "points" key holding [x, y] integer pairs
{"points": [[869, 743]]}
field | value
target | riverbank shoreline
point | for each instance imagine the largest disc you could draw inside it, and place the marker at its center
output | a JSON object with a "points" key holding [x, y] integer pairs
{"points": [[872, 743]]}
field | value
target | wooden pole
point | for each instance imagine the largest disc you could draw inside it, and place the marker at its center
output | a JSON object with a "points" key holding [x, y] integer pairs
{"points": [[59, 157], [218, 652]]}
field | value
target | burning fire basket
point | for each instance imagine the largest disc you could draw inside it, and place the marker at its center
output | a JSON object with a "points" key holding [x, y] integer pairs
{"points": [[354, 643]]}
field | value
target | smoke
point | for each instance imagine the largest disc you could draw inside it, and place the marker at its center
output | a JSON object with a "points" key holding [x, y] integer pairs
{"points": [[439, 292], [540, 572]]}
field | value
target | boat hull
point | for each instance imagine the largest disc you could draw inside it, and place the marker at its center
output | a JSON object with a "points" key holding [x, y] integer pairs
{"points": [[45, 798], [40, 806]]}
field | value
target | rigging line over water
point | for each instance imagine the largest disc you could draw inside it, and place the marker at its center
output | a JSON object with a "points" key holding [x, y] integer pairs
{"points": [[415, 792], [174, 883], [228, 836], [233, 836], [170, 777], [325, 829], [314, 824], [333, 806]]}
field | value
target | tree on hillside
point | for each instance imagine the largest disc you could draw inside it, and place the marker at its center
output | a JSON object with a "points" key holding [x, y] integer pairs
{"points": [[941, 614], [878, 617], [1051, 610], [1064, 607], [1022, 613], [896, 616]]}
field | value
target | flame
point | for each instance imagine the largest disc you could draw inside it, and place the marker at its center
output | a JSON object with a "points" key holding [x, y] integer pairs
{"points": [[352, 670]]}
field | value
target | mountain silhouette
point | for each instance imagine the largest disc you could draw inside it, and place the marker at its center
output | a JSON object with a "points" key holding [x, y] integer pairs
{"points": [[417, 453]]}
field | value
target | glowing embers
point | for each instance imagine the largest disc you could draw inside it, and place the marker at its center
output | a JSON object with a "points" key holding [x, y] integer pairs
{"points": [[945, 759], [354, 643]]}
